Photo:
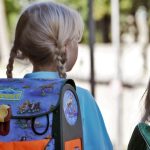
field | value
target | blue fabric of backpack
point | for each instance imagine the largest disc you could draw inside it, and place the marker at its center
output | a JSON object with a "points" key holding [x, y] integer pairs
{"points": [[30, 103]]}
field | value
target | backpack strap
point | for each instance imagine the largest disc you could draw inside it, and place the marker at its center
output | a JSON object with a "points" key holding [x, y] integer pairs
{"points": [[67, 124]]}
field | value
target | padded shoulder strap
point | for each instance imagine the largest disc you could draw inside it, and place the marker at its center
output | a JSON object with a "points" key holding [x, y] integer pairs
{"points": [[71, 82], [68, 132]]}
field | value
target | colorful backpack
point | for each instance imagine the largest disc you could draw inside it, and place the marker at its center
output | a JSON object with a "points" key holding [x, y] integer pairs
{"points": [[39, 114]]}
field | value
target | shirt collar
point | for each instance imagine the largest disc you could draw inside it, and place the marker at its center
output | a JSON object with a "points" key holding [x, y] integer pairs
{"points": [[43, 75]]}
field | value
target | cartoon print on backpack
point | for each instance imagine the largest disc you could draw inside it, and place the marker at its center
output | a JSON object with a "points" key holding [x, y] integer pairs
{"points": [[27, 100], [70, 107], [10, 93], [24, 123], [28, 107], [43, 90], [46, 89], [5, 116]]}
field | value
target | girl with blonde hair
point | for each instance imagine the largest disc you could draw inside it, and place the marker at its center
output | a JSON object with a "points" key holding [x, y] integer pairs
{"points": [[48, 35]]}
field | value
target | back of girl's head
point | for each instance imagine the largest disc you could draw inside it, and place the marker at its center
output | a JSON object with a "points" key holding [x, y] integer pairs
{"points": [[146, 116], [42, 32]]}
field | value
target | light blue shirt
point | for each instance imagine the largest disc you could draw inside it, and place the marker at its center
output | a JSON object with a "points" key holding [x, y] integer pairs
{"points": [[94, 131]]}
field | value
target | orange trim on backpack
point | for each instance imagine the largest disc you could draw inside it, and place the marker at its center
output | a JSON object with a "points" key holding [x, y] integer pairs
{"points": [[73, 145], [24, 145]]}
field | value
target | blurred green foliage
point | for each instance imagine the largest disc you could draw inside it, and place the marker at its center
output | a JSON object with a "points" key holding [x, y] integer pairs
{"points": [[100, 9], [101, 14], [12, 8]]}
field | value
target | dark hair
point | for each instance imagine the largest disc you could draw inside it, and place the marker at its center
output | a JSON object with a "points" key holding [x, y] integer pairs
{"points": [[147, 105], [41, 34]]}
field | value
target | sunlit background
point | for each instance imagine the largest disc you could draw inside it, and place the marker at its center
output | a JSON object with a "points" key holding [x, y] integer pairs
{"points": [[117, 35]]}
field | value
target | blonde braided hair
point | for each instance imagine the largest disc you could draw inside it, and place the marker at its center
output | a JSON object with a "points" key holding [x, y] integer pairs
{"points": [[60, 59], [42, 32], [13, 54]]}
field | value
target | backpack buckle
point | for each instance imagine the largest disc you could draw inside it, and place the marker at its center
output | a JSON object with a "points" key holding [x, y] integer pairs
{"points": [[5, 116]]}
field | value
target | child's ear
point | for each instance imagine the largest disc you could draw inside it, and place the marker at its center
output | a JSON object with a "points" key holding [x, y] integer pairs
{"points": [[20, 55], [66, 47]]}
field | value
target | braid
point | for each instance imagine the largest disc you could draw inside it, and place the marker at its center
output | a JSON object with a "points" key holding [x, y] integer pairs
{"points": [[13, 54], [60, 59]]}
